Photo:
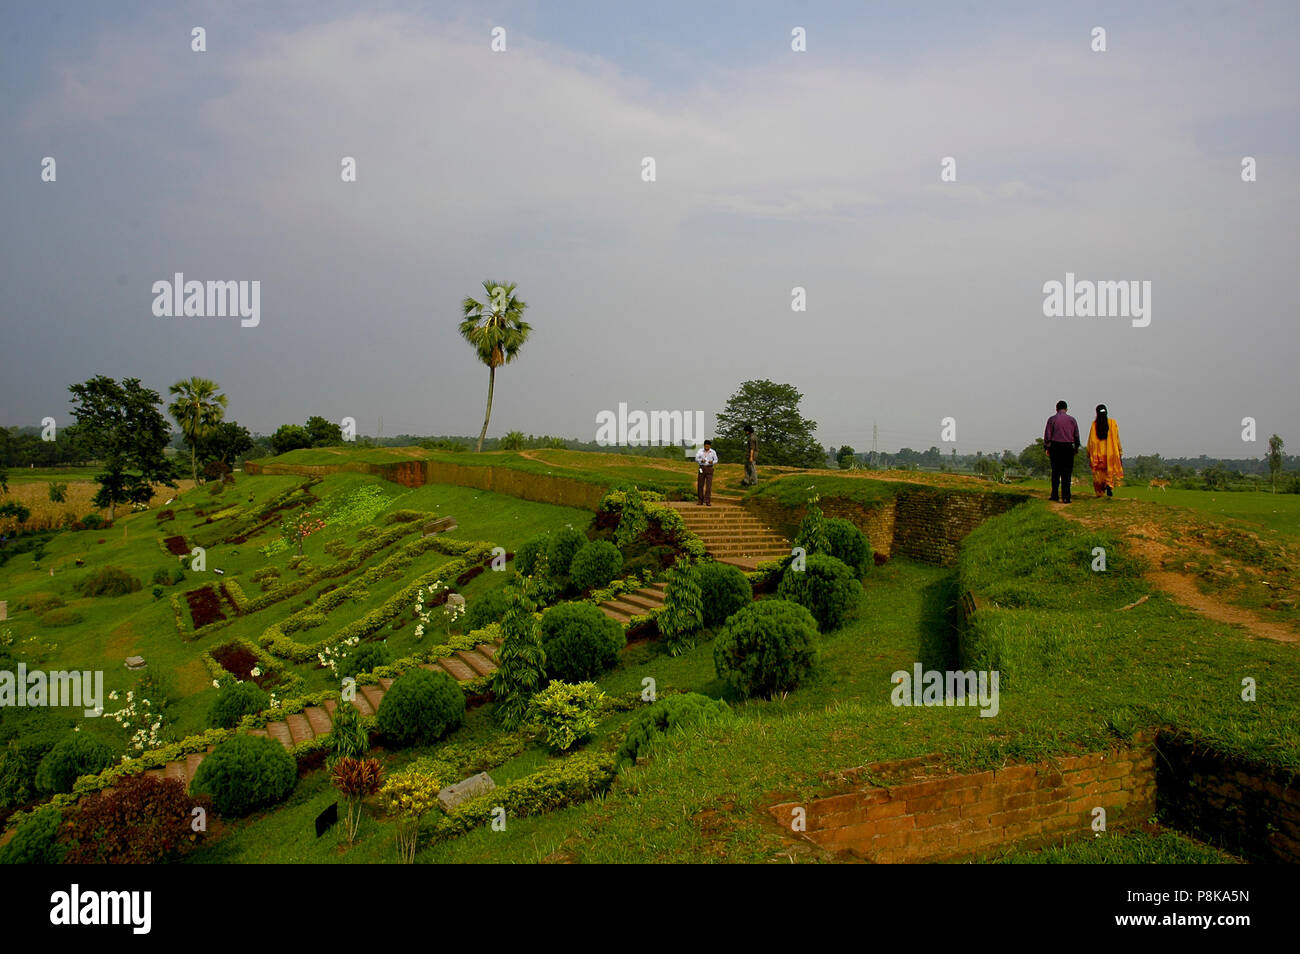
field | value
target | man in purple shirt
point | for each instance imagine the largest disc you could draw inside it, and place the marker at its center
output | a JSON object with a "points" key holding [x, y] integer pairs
{"points": [[1061, 440]]}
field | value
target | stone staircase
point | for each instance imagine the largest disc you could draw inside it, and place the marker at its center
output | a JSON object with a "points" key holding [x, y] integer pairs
{"points": [[637, 603], [730, 533], [317, 720]]}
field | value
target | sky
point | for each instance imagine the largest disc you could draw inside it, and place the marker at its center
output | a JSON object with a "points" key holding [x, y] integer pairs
{"points": [[774, 170]]}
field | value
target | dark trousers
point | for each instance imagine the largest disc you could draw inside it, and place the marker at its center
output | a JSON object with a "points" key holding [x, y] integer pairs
{"points": [[704, 484], [1062, 458]]}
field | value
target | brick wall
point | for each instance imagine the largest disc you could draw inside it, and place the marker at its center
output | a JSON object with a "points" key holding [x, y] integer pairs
{"points": [[908, 818], [1249, 810], [923, 523]]}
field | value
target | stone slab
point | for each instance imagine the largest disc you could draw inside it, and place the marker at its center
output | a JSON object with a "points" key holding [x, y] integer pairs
{"points": [[465, 789]]}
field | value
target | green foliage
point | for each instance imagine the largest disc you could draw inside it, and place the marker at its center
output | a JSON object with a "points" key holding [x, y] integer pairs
{"points": [[36, 840], [108, 581], [365, 658], [245, 773], [529, 551], [489, 607], [496, 330], [20, 761], [826, 587], [595, 565], [579, 641], [160, 577], [567, 714], [521, 660], [766, 648], [12, 508], [671, 712], [562, 547], [61, 617], [234, 701], [121, 426], [75, 756], [683, 613], [633, 522], [785, 437], [348, 737], [812, 529], [724, 589], [849, 545], [421, 707]]}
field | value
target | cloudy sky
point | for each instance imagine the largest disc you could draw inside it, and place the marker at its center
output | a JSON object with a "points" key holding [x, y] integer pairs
{"points": [[775, 169]]}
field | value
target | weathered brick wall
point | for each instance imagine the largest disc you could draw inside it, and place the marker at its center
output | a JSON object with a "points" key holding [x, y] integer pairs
{"points": [[930, 524], [921, 522], [953, 816], [1248, 809]]}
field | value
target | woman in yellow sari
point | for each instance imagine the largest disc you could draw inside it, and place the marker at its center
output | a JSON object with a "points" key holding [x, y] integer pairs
{"points": [[1104, 453]]}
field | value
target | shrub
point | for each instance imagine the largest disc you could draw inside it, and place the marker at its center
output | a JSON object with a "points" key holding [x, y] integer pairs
{"points": [[246, 772], [67, 761], [42, 602], [724, 589], [766, 648], [157, 592], [562, 547], [408, 796], [60, 617], [812, 529], [160, 576], [520, 659], [92, 521], [36, 840], [633, 521], [683, 613], [20, 762], [421, 707], [109, 581], [489, 607], [849, 545], [143, 820], [365, 659], [580, 642], [348, 737], [567, 713], [528, 552], [826, 587], [668, 713], [356, 779], [595, 565], [178, 575], [235, 701]]}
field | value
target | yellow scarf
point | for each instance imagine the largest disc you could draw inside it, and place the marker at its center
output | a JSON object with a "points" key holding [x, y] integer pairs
{"points": [[1105, 455]]}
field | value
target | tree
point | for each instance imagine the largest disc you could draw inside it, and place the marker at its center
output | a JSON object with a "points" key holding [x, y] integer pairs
{"points": [[844, 457], [288, 437], [496, 330], [323, 433], [227, 443], [1274, 458], [513, 441], [122, 426], [198, 408], [521, 660], [1033, 459], [785, 437]]}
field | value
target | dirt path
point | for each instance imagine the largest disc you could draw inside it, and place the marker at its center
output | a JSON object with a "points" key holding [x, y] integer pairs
{"points": [[1146, 540]]}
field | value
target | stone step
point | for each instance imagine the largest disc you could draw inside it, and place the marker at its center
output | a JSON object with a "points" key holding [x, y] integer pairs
{"points": [[385, 683], [192, 762], [477, 661], [155, 773], [615, 615], [330, 706], [280, 732], [487, 650], [457, 668], [627, 609], [374, 695], [259, 732], [657, 585], [319, 720], [363, 705], [176, 770], [643, 599], [299, 727]]}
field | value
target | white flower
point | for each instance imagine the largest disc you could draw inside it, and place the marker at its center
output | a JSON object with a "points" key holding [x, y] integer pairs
{"points": [[215, 684]]}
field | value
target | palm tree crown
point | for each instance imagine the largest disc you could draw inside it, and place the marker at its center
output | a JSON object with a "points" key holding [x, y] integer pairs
{"points": [[496, 330], [198, 409]]}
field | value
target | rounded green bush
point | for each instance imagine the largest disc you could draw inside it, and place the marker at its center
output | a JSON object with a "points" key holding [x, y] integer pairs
{"points": [[109, 581], [668, 713], [61, 617], [528, 552], [235, 701], [580, 641], [36, 842], [723, 591], [420, 707], [766, 648], [245, 773], [365, 659], [161, 577], [70, 759], [563, 546], [595, 565], [826, 587], [849, 545], [489, 607]]}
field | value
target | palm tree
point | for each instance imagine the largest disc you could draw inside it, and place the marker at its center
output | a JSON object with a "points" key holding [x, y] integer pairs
{"points": [[496, 330], [198, 409]]}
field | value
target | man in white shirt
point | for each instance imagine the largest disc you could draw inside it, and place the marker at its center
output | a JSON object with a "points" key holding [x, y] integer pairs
{"points": [[706, 457]]}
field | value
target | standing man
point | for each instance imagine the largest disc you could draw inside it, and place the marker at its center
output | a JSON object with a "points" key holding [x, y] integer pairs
{"points": [[751, 457], [1061, 441], [706, 457]]}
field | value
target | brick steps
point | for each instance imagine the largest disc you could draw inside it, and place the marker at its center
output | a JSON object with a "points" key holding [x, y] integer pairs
{"points": [[731, 534], [637, 603], [315, 721]]}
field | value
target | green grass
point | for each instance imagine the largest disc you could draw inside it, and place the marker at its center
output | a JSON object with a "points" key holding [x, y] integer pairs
{"points": [[1123, 848], [27, 475]]}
